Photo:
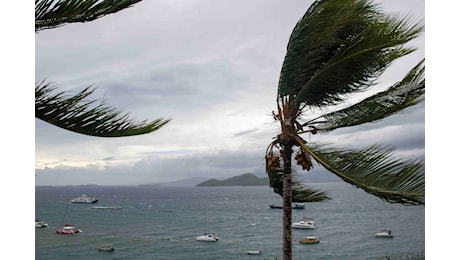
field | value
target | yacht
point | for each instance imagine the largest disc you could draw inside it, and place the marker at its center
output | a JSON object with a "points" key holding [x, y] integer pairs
{"points": [[307, 223], [83, 199], [208, 237]]}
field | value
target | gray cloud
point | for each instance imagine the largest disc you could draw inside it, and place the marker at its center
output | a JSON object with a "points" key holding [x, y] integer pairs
{"points": [[152, 169], [212, 66]]}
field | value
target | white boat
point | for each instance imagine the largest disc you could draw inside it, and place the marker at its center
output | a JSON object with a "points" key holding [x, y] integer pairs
{"points": [[384, 233], [208, 237], [40, 224], [107, 207], [306, 223], [83, 199], [253, 252]]}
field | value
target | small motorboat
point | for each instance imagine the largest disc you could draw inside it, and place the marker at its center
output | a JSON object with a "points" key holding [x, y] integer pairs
{"points": [[384, 233], [40, 224], [106, 248], [253, 252], [296, 206], [310, 240], [68, 230], [208, 237], [307, 223]]}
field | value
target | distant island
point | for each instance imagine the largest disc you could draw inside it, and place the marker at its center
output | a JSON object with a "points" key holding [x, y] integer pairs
{"points": [[246, 179]]}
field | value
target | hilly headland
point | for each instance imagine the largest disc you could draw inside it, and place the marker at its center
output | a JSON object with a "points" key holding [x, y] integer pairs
{"points": [[246, 179]]}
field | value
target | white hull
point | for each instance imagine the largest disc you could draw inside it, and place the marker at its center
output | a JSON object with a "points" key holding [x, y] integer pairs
{"points": [[40, 224], [304, 225], [384, 234], [253, 252], [207, 238]]}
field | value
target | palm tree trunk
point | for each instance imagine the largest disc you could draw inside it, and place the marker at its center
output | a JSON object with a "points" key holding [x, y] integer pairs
{"points": [[287, 203]]}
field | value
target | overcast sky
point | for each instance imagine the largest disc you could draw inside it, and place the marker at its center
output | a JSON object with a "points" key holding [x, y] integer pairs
{"points": [[213, 68]]}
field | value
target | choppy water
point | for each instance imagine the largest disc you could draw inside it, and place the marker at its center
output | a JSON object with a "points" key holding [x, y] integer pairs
{"points": [[162, 223]]}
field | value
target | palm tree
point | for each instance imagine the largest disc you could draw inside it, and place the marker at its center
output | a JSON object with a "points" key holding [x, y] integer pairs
{"points": [[77, 113], [339, 47]]}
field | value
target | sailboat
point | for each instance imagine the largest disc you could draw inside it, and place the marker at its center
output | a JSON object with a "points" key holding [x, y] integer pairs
{"points": [[67, 229], [208, 237]]}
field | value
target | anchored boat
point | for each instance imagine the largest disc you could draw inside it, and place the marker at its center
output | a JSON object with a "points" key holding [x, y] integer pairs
{"points": [[83, 199], [384, 233], [310, 240], [208, 237]]}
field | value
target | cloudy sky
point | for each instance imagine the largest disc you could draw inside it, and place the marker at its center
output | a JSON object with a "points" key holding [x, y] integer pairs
{"points": [[210, 66]]}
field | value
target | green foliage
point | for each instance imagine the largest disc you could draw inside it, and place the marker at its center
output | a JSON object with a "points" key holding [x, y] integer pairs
{"points": [[401, 95], [339, 47], [54, 13], [300, 193], [375, 171], [77, 114]]}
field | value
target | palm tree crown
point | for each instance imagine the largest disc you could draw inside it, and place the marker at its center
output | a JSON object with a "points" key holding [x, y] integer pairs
{"points": [[338, 48]]}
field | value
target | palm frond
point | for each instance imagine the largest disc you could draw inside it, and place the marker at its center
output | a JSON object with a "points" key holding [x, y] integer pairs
{"points": [[54, 13], [274, 168], [76, 114], [375, 171], [401, 95], [340, 47], [300, 193]]}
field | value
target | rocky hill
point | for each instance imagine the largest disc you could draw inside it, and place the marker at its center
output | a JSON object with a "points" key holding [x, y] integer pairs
{"points": [[246, 179]]}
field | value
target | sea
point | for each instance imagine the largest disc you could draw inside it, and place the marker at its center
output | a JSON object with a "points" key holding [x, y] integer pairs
{"points": [[159, 222]]}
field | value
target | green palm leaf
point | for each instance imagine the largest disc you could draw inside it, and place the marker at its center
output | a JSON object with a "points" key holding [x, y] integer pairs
{"points": [[76, 114], [54, 13], [381, 105], [375, 171], [340, 47], [300, 193]]}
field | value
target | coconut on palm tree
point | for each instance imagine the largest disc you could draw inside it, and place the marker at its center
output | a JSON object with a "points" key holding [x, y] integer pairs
{"points": [[338, 48]]}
